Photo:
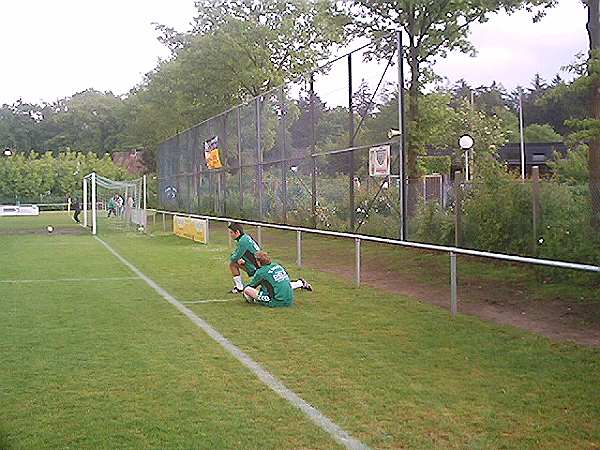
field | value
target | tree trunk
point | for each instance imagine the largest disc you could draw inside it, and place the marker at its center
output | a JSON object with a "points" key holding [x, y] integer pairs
{"points": [[593, 27]]}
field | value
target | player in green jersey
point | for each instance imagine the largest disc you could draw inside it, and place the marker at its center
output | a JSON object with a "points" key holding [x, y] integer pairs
{"points": [[271, 285], [243, 256]]}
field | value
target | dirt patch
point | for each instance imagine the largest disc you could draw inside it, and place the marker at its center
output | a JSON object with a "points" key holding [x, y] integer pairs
{"points": [[502, 304]]}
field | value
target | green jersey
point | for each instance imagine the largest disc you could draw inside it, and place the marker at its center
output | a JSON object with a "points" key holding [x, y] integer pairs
{"points": [[275, 287], [246, 249]]}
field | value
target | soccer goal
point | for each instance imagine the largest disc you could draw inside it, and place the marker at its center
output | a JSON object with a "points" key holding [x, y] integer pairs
{"points": [[113, 205]]}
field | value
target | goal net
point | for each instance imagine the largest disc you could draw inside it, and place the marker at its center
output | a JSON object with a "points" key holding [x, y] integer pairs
{"points": [[110, 205]]}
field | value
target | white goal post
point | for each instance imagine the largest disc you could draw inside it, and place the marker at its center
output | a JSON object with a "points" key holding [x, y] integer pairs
{"points": [[98, 192]]}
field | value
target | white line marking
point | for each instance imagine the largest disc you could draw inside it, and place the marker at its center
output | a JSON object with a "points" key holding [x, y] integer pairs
{"points": [[210, 301], [70, 280], [324, 422]]}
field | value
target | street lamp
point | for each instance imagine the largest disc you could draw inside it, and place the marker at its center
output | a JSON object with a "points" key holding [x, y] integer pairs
{"points": [[466, 143]]}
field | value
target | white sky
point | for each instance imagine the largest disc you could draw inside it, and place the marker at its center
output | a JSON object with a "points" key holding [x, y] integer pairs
{"points": [[51, 49]]}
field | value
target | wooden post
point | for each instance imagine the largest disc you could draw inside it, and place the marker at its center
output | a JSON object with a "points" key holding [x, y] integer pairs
{"points": [[535, 195], [458, 178]]}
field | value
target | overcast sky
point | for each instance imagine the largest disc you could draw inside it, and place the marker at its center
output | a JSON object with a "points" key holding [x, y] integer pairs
{"points": [[54, 48]]}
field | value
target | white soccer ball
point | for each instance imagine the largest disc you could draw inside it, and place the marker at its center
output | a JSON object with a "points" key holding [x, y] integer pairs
{"points": [[140, 228], [50, 228]]}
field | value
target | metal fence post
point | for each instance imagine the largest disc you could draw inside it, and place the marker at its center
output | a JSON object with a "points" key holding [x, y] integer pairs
{"points": [[351, 168], [259, 235], [313, 145], [284, 163], [259, 157], [457, 208], [164, 223], [453, 285], [357, 242], [402, 140], [535, 194], [299, 248], [239, 155]]}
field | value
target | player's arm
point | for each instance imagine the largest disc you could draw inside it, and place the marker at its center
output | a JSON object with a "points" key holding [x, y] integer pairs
{"points": [[237, 253], [256, 279]]}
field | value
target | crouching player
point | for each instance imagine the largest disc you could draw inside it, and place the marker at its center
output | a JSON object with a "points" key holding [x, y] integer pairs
{"points": [[271, 285], [243, 256]]}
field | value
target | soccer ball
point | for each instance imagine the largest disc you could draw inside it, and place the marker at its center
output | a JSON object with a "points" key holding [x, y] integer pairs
{"points": [[50, 228], [140, 228]]}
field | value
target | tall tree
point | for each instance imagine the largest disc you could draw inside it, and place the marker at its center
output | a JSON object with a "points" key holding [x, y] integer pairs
{"points": [[593, 27], [434, 28], [236, 49]]}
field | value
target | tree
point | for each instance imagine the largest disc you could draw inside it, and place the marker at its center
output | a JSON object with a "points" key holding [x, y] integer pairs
{"points": [[434, 28], [88, 121], [541, 133], [236, 50], [593, 27]]}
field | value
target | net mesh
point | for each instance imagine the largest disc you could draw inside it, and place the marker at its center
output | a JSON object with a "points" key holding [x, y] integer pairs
{"points": [[119, 204]]}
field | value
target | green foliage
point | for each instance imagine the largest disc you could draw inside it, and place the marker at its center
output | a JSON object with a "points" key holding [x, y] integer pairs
{"points": [[541, 133], [433, 224], [429, 165], [566, 233], [497, 211], [573, 168], [34, 177]]}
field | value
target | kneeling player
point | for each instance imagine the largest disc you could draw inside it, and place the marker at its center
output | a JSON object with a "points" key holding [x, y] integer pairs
{"points": [[271, 285], [243, 257]]}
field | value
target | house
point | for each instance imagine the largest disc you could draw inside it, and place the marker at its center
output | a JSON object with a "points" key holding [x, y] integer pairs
{"points": [[536, 154]]}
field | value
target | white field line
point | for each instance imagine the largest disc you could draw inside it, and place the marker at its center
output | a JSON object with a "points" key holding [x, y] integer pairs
{"points": [[316, 416], [69, 280], [216, 300]]}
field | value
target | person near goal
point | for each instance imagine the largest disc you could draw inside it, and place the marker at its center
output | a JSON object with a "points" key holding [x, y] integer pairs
{"points": [[271, 285]]}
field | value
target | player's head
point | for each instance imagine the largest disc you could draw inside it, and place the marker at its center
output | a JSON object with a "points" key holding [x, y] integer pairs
{"points": [[262, 258], [235, 229]]}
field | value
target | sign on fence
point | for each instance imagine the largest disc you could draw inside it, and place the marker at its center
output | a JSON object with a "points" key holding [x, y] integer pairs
{"points": [[190, 228], [379, 161], [22, 210], [211, 153]]}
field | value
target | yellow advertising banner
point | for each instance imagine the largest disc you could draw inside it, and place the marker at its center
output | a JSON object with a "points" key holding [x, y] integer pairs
{"points": [[190, 228]]}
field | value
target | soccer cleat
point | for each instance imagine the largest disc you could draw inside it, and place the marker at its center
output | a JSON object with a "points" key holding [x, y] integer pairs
{"points": [[236, 290], [306, 285]]}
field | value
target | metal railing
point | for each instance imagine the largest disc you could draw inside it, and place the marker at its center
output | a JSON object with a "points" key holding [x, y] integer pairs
{"points": [[452, 251]]}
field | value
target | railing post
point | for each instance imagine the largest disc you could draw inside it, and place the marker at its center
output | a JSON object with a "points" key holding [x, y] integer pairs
{"points": [[357, 242], [299, 248], [259, 235], [453, 285], [164, 223]]}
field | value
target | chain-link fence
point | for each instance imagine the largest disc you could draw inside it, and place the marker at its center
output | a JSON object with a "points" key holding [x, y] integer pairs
{"points": [[299, 155]]}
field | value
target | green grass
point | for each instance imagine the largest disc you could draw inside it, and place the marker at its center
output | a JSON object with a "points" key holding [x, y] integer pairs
{"points": [[59, 220], [114, 366]]}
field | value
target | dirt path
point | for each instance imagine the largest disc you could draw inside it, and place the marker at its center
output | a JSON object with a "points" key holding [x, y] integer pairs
{"points": [[500, 303]]}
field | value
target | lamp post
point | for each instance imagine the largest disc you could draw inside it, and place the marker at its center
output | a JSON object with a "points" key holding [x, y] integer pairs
{"points": [[466, 143]]}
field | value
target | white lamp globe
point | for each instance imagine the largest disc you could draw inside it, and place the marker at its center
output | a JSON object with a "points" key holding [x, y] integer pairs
{"points": [[466, 142]]}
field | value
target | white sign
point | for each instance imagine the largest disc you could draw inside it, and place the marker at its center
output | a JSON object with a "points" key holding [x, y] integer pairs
{"points": [[379, 161], [22, 210]]}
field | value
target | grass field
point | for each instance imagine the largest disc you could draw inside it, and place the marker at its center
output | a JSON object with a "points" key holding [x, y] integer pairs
{"points": [[92, 357]]}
